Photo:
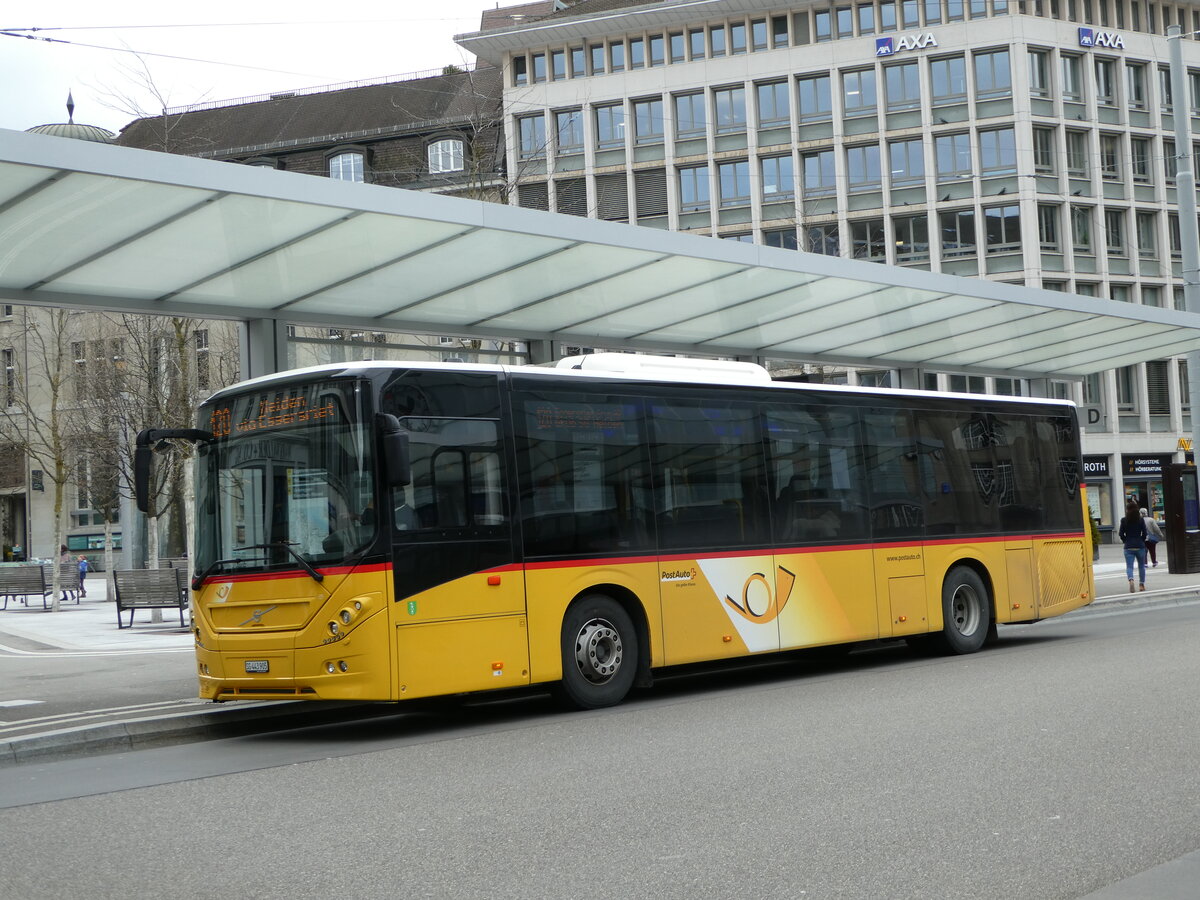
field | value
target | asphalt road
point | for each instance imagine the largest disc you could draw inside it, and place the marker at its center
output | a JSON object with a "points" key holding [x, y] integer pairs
{"points": [[1059, 762]]}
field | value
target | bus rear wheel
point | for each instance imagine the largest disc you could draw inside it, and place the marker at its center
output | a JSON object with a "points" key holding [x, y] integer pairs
{"points": [[966, 611], [599, 653]]}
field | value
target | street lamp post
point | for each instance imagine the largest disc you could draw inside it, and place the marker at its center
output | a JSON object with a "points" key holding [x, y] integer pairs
{"points": [[1185, 193]]}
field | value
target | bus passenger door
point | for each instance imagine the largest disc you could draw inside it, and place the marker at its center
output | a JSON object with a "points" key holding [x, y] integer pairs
{"points": [[459, 596], [895, 466]]}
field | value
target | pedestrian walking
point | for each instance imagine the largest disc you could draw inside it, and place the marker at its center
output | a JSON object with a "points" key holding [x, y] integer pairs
{"points": [[1154, 534], [64, 559], [1133, 535], [83, 570]]}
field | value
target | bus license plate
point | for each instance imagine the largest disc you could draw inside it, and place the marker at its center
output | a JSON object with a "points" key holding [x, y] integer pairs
{"points": [[257, 666]]}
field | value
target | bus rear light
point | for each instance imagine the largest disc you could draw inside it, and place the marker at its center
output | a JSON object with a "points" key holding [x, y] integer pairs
{"points": [[342, 665], [330, 668]]}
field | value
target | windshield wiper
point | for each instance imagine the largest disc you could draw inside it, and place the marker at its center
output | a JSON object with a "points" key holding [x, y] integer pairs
{"points": [[286, 545]]}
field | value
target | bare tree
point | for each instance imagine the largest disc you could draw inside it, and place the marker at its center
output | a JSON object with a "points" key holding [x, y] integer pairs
{"points": [[144, 99], [35, 419]]}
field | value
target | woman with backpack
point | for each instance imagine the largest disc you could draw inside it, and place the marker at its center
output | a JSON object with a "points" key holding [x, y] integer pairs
{"points": [[1133, 536]]}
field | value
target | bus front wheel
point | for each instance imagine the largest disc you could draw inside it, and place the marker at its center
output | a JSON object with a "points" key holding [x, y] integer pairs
{"points": [[599, 653], [966, 611]]}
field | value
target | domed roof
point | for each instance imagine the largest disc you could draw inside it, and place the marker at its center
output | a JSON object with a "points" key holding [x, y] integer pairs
{"points": [[72, 129], [75, 130]]}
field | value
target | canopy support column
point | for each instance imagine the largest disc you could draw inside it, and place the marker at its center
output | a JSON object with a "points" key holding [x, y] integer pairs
{"points": [[263, 347]]}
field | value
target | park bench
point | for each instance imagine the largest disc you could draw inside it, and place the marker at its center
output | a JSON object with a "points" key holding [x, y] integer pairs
{"points": [[68, 580], [23, 582], [149, 589]]}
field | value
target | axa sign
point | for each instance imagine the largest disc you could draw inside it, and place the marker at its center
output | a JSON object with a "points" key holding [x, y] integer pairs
{"points": [[1089, 37], [888, 46]]}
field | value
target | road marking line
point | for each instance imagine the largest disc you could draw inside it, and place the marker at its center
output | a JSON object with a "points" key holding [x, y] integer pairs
{"points": [[20, 702]]}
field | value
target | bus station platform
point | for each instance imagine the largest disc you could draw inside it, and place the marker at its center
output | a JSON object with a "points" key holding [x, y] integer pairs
{"points": [[52, 704]]}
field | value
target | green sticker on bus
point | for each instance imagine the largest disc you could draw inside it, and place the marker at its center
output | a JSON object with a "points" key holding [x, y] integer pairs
{"points": [[412, 607]]}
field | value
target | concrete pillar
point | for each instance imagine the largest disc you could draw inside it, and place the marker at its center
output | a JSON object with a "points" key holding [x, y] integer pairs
{"points": [[263, 344]]}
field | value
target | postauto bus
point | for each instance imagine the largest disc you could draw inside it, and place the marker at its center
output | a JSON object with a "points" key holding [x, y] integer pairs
{"points": [[385, 531]]}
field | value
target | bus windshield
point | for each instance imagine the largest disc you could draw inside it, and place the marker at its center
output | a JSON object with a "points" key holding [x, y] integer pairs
{"points": [[288, 480]]}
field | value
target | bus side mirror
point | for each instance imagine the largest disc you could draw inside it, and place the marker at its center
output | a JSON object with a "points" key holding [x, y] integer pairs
{"points": [[141, 477], [395, 451]]}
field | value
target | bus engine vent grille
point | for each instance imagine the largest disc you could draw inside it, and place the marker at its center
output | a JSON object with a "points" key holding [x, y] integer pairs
{"points": [[1061, 572]]}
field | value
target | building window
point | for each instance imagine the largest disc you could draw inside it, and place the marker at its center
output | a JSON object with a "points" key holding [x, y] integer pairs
{"points": [[578, 62], [678, 47], [777, 179], [1151, 295], [998, 151], [1127, 389], [610, 126], [1077, 154], [689, 115], [912, 238], [858, 92], [844, 17], [1002, 226], [696, 43], [558, 65], [648, 121], [734, 181], [568, 129], [1122, 293], [933, 12], [1114, 231], [953, 154], [823, 25], [1139, 158], [1146, 224], [958, 232], [821, 239], [906, 161], [1106, 88], [818, 169], [445, 156], [948, 80], [773, 104], [10, 377], [866, 18], [716, 41], [1176, 239], [346, 167], [1043, 150], [868, 240], [993, 77], [531, 136], [693, 188], [887, 15], [730, 106], [596, 53], [1135, 85], [758, 34], [1165, 101], [1170, 161], [1048, 227], [1072, 77], [862, 167], [616, 56], [637, 53], [911, 13], [815, 98], [903, 85], [779, 31], [1110, 156], [658, 50], [1081, 229], [737, 38], [784, 239], [1039, 73], [520, 74]]}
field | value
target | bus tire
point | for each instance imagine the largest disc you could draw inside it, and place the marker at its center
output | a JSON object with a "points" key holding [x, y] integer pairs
{"points": [[966, 611], [599, 653]]}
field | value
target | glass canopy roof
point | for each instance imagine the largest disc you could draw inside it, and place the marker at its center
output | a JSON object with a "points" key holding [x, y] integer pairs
{"points": [[94, 226]]}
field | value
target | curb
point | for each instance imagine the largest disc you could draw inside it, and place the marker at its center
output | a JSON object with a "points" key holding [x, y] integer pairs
{"points": [[175, 728]]}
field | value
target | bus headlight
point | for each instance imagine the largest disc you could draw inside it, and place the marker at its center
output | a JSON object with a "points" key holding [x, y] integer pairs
{"points": [[345, 615], [330, 668], [333, 628]]}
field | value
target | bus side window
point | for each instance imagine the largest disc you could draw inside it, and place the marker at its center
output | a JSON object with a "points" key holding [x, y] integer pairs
{"points": [[818, 479], [897, 499]]}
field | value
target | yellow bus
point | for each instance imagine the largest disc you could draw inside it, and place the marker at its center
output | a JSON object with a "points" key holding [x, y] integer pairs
{"points": [[386, 531]]}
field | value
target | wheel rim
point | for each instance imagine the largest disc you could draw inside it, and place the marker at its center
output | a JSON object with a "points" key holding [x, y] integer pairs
{"points": [[966, 610], [598, 651]]}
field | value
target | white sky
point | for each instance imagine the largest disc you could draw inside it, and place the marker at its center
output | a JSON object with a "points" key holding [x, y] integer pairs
{"points": [[308, 43]]}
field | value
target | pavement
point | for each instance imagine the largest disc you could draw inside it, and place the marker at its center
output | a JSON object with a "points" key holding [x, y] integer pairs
{"points": [[63, 709]]}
